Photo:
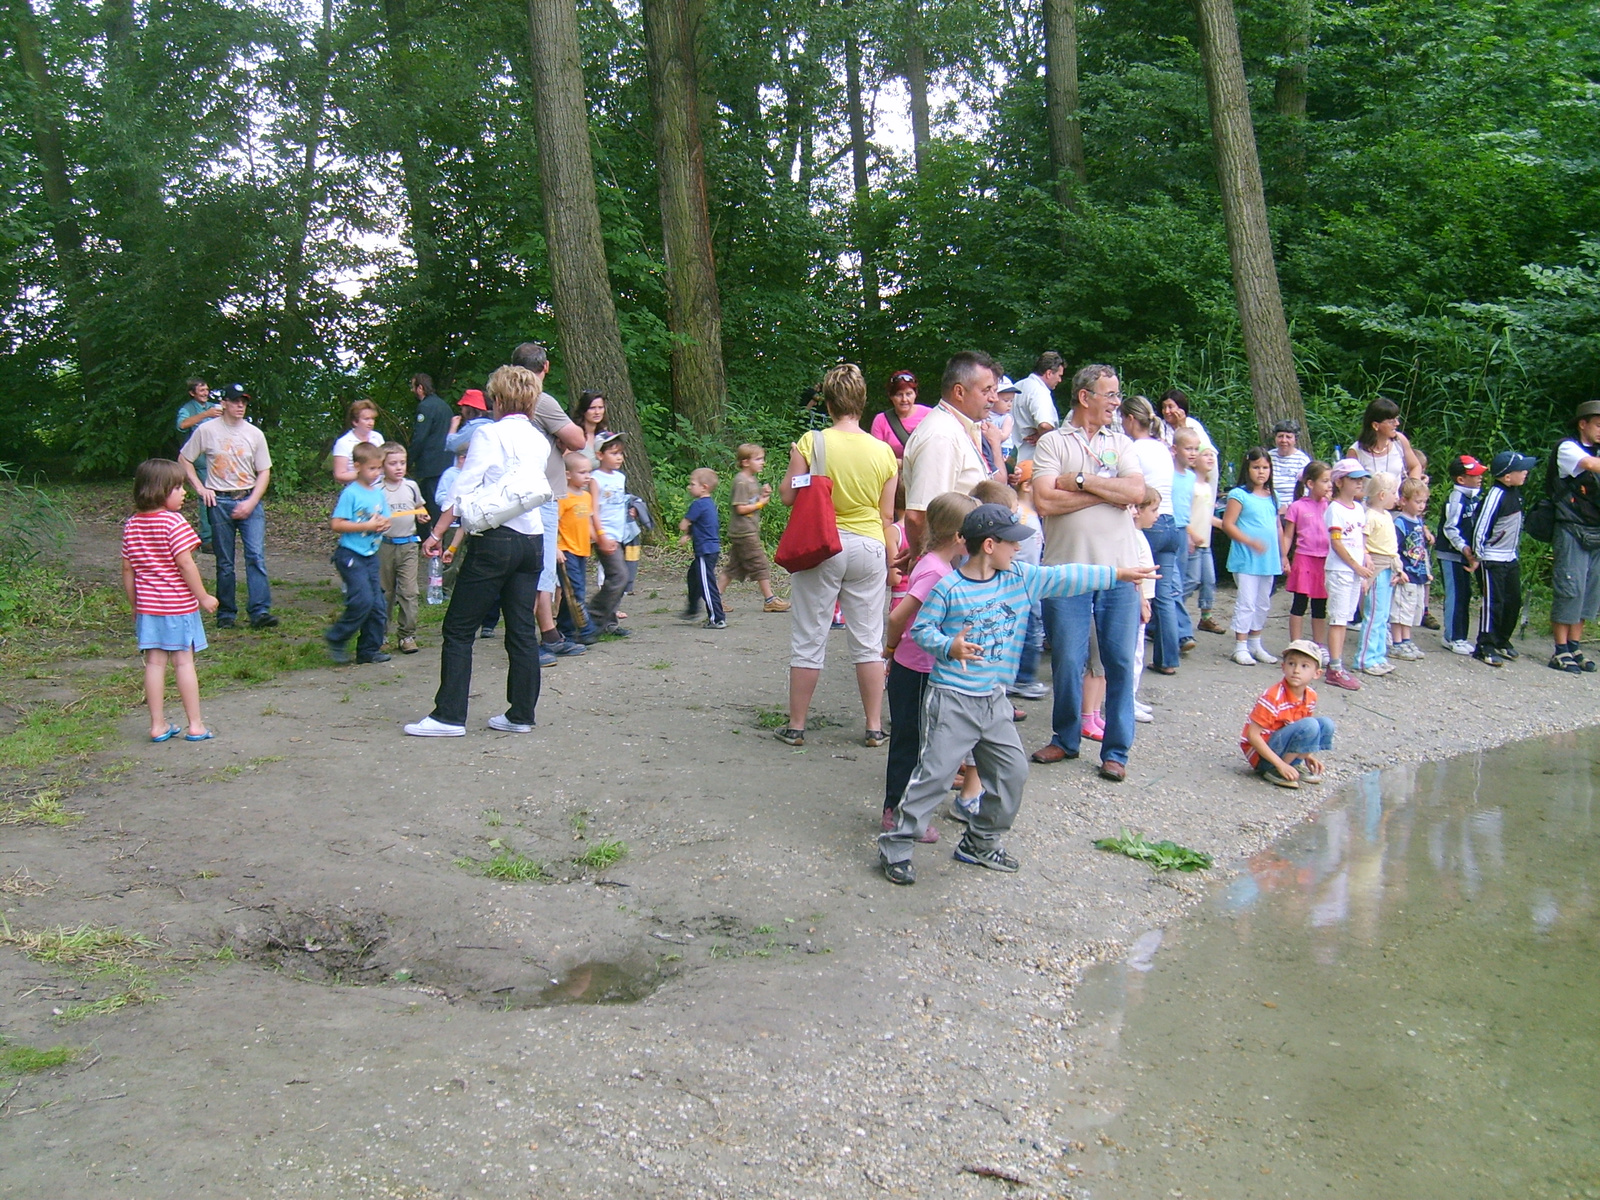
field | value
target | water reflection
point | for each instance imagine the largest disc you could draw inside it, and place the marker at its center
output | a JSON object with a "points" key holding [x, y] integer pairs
{"points": [[1400, 999]]}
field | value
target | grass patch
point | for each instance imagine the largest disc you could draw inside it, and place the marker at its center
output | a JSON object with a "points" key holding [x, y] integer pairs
{"points": [[238, 769], [92, 952], [106, 1005], [492, 818], [604, 853], [507, 865], [25, 1060], [778, 718], [663, 665], [1163, 856], [41, 806]]}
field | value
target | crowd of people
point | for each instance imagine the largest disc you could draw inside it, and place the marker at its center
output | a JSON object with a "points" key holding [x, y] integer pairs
{"points": [[967, 536]]}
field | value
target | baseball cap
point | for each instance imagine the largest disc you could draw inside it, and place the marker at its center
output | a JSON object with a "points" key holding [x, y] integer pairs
{"points": [[1025, 470], [1350, 468], [605, 437], [1508, 461], [1465, 464], [994, 521], [1006, 385], [235, 391], [1309, 648], [473, 398]]}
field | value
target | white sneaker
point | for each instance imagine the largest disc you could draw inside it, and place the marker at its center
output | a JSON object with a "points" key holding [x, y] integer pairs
{"points": [[1463, 648], [1243, 657], [499, 721], [1407, 650], [1037, 690], [1382, 668], [1264, 656], [428, 727], [1143, 713]]}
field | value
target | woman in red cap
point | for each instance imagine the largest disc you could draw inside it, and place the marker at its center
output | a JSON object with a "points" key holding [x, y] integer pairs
{"points": [[894, 424], [473, 416]]}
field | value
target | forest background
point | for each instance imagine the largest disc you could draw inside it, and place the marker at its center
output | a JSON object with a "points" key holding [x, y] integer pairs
{"points": [[321, 198]]}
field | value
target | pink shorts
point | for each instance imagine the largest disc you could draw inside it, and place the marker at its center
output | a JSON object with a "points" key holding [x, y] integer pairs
{"points": [[1307, 577]]}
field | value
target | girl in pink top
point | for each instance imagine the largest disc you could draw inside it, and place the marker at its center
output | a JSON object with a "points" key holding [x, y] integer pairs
{"points": [[166, 594], [910, 664], [1303, 534]]}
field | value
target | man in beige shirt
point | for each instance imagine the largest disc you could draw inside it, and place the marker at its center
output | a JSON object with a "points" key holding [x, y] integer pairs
{"points": [[943, 455], [1084, 482]]}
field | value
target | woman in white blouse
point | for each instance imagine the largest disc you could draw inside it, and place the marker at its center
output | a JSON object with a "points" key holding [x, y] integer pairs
{"points": [[1169, 545], [363, 418], [1175, 416], [502, 565]]}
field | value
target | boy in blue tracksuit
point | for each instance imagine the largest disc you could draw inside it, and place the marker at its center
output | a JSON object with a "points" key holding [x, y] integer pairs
{"points": [[974, 623], [701, 526]]}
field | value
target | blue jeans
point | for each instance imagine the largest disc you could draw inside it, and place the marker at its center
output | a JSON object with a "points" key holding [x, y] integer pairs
{"points": [[1167, 543], [1457, 599], [1115, 617], [573, 574], [253, 532], [1032, 646], [365, 609], [1200, 575], [1308, 735]]}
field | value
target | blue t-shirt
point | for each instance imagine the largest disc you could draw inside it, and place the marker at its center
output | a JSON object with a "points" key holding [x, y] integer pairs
{"points": [[1411, 534], [702, 517], [1258, 518], [1182, 497], [613, 487], [358, 503]]}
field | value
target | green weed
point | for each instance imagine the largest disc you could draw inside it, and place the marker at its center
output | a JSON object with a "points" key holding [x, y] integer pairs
{"points": [[235, 770], [507, 865], [24, 1060], [108, 1004], [579, 822], [1163, 856], [43, 807], [604, 853], [663, 665], [89, 945], [492, 818]]}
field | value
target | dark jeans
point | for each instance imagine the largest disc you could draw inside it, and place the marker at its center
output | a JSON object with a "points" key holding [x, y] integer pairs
{"points": [[1167, 543], [1114, 615], [428, 487], [703, 586], [906, 689], [1032, 646], [252, 532], [502, 569], [1457, 599], [365, 609], [1502, 603], [603, 605], [572, 618]]}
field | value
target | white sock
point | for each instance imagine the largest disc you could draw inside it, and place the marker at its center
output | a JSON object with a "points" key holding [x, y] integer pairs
{"points": [[1255, 646]]}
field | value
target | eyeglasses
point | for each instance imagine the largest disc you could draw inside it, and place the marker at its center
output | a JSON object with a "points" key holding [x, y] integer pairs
{"points": [[1114, 397]]}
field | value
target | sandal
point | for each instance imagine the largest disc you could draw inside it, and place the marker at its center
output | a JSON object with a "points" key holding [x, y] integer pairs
{"points": [[875, 738], [791, 737], [899, 872], [172, 732], [199, 737]]}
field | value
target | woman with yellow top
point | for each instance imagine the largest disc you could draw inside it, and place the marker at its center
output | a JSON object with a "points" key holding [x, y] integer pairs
{"points": [[863, 471]]}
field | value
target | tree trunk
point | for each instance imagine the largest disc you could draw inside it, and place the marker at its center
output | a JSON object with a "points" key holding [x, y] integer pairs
{"points": [[916, 65], [1061, 97], [1289, 92], [292, 335], [1273, 382], [861, 217], [66, 235], [694, 310], [580, 287]]}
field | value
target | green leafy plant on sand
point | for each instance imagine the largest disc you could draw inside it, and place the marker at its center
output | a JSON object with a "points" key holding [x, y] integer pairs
{"points": [[602, 854], [508, 865], [23, 1060], [1163, 856]]}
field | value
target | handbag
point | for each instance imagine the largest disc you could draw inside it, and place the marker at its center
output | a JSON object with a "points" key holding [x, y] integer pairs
{"points": [[518, 489], [812, 534]]}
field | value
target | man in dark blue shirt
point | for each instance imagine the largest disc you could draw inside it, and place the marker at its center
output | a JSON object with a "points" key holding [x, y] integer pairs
{"points": [[429, 459]]}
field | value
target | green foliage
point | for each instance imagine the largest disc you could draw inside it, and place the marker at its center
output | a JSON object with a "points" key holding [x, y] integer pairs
{"points": [[605, 853], [1163, 856], [26, 1060], [507, 865]]}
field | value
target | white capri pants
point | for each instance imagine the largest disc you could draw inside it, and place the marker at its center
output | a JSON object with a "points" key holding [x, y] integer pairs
{"points": [[1254, 603], [858, 578], [1344, 593]]}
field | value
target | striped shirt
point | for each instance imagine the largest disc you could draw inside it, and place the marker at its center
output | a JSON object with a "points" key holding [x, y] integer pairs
{"points": [[1276, 708], [1286, 470], [152, 541], [994, 614]]}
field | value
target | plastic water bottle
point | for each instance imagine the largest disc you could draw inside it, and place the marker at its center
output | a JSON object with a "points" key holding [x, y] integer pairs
{"points": [[435, 580], [1337, 452]]}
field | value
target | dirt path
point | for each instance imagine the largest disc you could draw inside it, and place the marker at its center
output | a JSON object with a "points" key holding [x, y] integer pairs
{"points": [[791, 1024]]}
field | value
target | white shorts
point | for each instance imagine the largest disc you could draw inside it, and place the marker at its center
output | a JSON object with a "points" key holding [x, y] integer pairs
{"points": [[1344, 594], [858, 578], [1409, 601]]}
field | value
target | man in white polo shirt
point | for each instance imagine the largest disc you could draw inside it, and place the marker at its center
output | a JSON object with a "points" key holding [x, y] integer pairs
{"points": [[1033, 414], [943, 455]]}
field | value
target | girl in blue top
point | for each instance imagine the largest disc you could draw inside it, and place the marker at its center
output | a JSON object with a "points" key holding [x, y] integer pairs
{"points": [[1251, 520]]}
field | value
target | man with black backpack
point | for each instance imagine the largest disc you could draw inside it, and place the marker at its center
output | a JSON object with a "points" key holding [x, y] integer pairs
{"points": [[1574, 483]]}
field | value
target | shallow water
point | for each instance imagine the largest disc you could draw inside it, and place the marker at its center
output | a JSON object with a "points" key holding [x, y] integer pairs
{"points": [[1400, 999]]}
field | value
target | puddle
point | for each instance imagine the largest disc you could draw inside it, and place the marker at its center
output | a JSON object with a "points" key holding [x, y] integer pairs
{"points": [[601, 983], [1400, 999]]}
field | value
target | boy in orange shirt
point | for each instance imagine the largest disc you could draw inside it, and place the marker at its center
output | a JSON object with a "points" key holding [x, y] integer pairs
{"points": [[576, 530], [1284, 735]]}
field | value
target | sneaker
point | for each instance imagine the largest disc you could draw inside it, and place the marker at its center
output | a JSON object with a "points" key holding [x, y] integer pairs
{"points": [[1029, 691], [710, 625], [546, 659], [341, 657], [1143, 713], [1429, 621], [1207, 625], [587, 638], [837, 625], [379, 657], [265, 621], [1186, 645], [486, 633], [227, 623], [566, 648], [1406, 651], [1510, 653], [996, 859], [689, 614], [901, 873], [1271, 776], [1485, 655], [1378, 668], [791, 737], [1340, 677], [1243, 657], [1264, 656], [1307, 775], [617, 631], [958, 811], [775, 604], [1094, 726], [428, 727], [1462, 647], [499, 721], [875, 738], [408, 646]]}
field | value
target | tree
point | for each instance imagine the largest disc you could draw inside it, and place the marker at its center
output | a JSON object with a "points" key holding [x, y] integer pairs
{"points": [[861, 211], [1274, 385], [580, 286], [694, 309], [916, 72], [1061, 97]]}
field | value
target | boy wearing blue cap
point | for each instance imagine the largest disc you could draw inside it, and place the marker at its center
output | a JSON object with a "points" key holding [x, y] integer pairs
{"points": [[974, 623], [1496, 532]]}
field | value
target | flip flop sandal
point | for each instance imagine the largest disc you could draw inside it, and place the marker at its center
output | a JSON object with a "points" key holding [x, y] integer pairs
{"points": [[199, 737], [172, 732]]}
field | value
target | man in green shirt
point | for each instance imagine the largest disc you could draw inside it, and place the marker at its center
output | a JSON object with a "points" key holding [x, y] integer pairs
{"points": [[197, 410]]}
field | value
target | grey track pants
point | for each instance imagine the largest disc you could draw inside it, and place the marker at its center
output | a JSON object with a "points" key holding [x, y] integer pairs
{"points": [[954, 724]]}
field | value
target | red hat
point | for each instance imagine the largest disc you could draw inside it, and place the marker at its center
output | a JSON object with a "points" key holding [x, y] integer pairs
{"points": [[473, 398], [1465, 464]]}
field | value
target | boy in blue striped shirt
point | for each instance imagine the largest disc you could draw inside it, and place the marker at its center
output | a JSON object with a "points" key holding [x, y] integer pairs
{"points": [[973, 623]]}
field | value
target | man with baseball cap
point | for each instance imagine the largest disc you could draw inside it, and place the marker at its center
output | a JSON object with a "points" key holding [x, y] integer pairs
{"points": [[1575, 571], [238, 468]]}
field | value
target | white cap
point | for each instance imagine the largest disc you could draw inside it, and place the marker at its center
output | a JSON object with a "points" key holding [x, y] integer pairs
{"points": [[1006, 385]]}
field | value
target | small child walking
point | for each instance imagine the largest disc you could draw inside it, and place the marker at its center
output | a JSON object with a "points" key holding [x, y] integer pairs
{"points": [[1200, 572], [360, 518], [1348, 572], [166, 594], [1305, 551], [1383, 554], [1251, 520], [1411, 584], [747, 557], [1496, 535], [699, 528], [971, 625], [397, 553], [1453, 548], [1283, 736]]}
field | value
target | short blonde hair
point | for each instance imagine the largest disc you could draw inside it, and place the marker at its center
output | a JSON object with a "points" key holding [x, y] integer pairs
{"points": [[1382, 483], [992, 491], [748, 451], [705, 477], [1410, 489], [844, 390], [1186, 435], [946, 511], [513, 390], [1151, 498]]}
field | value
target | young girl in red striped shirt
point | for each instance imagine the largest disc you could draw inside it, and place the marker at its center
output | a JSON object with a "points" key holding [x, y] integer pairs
{"points": [[164, 588]]}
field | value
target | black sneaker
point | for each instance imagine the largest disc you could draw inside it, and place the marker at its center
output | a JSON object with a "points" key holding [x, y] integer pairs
{"points": [[1429, 621], [206, 548], [689, 614], [227, 623], [1484, 655], [379, 657], [996, 859], [340, 656], [617, 631], [901, 873], [267, 621], [1510, 653]]}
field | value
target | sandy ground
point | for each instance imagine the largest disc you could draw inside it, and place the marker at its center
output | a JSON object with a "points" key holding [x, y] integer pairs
{"points": [[784, 1022]]}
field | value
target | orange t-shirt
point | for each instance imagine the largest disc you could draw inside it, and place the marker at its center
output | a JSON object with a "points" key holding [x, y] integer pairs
{"points": [[1275, 709], [574, 529]]}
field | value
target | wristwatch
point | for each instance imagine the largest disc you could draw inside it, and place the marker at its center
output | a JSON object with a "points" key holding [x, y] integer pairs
{"points": [[1080, 481]]}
